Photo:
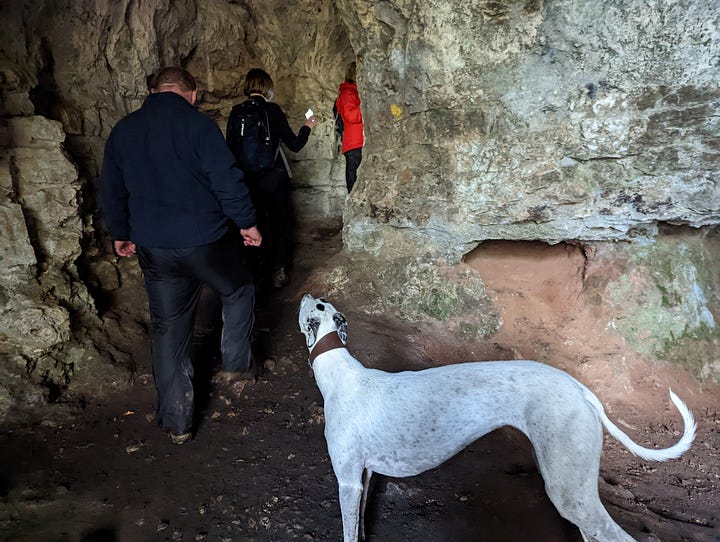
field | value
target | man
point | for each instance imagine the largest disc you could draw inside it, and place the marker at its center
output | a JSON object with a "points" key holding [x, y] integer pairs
{"points": [[353, 135], [169, 192]]}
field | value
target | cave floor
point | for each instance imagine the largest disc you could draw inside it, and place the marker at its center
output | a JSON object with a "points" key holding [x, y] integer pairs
{"points": [[258, 469]]}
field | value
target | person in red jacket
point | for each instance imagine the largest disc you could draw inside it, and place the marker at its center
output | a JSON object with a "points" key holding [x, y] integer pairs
{"points": [[353, 138]]}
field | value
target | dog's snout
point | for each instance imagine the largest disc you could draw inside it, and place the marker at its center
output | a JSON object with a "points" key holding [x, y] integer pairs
{"points": [[306, 299]]}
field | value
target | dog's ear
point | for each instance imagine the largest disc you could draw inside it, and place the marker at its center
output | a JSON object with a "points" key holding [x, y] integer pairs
{"points": [[311, 330], [342, 326]]}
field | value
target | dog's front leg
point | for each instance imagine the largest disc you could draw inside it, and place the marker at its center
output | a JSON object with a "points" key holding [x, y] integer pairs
{"points": [[348, 465], [350, 508]]}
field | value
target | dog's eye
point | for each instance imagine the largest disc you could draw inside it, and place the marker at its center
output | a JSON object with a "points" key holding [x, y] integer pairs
{"points": [[320, 307]]}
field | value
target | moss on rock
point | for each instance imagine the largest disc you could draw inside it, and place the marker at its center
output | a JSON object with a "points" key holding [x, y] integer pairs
{"points": [[666, 301]]}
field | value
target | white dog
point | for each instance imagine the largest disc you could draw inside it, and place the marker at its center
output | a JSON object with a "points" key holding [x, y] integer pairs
{"points": [[401, 424]]}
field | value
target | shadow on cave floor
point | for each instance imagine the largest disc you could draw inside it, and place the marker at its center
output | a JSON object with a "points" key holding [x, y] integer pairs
{"points": [[258, 470]]}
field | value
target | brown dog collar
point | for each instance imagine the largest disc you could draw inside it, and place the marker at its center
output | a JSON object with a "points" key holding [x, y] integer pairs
{"points": [[331, 341]]}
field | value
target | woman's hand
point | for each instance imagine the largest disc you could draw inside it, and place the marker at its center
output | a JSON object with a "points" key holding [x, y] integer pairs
{"points": [[311, 122]]}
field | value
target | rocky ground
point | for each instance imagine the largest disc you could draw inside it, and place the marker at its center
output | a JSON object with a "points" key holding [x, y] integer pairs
{"points": [[258, 470]]}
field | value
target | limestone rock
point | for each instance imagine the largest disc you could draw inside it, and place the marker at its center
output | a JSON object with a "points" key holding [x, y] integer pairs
{"points": [[31, 329], [664, 298], [15, 82], [534, 120], [19, 253], [417, 288], [551, 120]]}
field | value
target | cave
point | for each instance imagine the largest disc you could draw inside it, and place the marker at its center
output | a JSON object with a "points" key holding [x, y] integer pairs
{"points": [[539, 182]]}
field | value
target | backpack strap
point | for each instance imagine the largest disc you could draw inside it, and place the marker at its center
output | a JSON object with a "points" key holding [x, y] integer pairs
{"points": [[338, 137]]}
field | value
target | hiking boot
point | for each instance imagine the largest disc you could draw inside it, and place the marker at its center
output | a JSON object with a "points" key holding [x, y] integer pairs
{"points": [[180, 439], [228, 377], [280, 278]]}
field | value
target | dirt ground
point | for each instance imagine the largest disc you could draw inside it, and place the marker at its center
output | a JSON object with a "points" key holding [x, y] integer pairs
{"points": [[258, 469]]}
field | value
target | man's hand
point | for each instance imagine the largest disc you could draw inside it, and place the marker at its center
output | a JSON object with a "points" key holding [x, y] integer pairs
{"points": [[124, 248], [251, 237]]}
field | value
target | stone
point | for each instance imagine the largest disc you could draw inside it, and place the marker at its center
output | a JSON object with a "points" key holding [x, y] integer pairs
{"points": [[20, 252], [561, 126], [664, 298], [557, 121]]}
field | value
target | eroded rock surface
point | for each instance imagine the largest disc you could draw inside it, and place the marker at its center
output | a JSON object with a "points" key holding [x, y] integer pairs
{"points": [[534, 120], [555, 121]]}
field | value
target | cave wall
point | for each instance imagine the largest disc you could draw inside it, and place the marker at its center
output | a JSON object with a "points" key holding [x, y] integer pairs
{"points": [[69, 70], [591, 123], [547, 120]]}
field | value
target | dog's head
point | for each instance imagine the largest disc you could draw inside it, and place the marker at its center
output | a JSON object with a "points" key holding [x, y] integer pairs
{"points": [[317, 318]]}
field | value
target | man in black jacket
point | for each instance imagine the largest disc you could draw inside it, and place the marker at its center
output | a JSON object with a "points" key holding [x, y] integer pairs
{"points": [[170, 193]]}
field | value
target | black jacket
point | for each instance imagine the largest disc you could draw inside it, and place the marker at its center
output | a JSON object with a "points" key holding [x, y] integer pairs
{"points": [[280, 129], [168, 179]]}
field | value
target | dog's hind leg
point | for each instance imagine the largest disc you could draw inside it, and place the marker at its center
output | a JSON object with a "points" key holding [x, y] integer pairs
{"points": [[575, 495], [568, 455], [363, 501], [595, 523]]}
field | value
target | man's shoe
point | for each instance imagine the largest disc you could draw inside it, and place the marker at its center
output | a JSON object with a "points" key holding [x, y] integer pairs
{"points": [[280, 278], [228, 377], [180, 439]]}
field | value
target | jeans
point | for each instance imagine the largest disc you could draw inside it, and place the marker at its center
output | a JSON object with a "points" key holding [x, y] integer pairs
{"points": [[352, 162], [173, 280]]}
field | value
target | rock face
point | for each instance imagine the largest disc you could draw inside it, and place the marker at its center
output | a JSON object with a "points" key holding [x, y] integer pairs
{"points": [[551, 121], [591, 123], [41, 296], [40, 191], [664, 297], [534, 120], [64, 299], [86, 66]]}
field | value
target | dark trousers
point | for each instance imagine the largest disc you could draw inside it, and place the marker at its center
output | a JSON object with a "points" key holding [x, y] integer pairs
{"points": [[352, 162], [173, 280], [270, 192]]}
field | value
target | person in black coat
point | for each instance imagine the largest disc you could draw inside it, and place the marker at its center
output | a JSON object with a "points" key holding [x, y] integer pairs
{"points": [[269, 183], [169, 192]]}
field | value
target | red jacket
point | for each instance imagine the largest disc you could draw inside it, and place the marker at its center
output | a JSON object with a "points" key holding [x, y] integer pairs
{"points": [[348, 105]]}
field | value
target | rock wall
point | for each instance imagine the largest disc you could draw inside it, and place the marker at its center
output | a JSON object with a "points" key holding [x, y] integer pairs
{"points": [[64, 298], [85, 65], [663, 297], [540, 120], [48, 326], [591, 123]]}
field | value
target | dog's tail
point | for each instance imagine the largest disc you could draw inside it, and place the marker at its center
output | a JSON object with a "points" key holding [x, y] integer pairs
{"points": [[662, 454]]}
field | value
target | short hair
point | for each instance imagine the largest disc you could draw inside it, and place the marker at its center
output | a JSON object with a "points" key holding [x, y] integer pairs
{"points": [[174, 76], [351, 72], [258, 81]]}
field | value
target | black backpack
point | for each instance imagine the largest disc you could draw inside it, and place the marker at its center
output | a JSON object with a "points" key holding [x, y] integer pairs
{"points": [[339, 127], [248, 136]]}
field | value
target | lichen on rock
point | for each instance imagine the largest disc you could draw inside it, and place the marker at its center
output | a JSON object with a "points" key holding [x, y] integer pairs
{"points": [[665, 301]]}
